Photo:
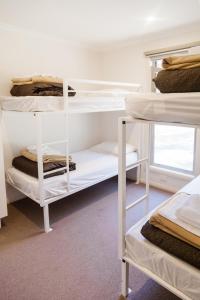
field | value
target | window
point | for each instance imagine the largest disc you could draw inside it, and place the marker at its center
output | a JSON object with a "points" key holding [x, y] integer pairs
{"points": [[172, 147]]}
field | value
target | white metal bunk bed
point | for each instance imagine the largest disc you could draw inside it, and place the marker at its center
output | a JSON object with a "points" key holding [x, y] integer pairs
{"points": [[66, 184], [177, 276]]}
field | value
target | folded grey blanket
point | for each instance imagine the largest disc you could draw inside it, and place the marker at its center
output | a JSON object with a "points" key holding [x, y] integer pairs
{"points": [[40, 89], [178, 81], [171, 244]]}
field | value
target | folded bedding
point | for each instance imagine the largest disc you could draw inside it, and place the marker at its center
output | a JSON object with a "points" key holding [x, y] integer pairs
{"points": [[49, 154], [39, 86], [178, 80], [181, 62], [175, 230], [189, 212], [40, 89], [31, 168], [171, 244], [165, 218], [36, 79]]}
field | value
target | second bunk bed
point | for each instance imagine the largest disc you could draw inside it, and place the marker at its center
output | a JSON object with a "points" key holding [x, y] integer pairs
{"points": [[93, 164], [172, 259]]}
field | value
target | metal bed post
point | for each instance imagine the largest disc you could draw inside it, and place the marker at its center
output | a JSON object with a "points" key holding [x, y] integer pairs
{"points": [[66, 108], [147, 168], [139, 157], [122, 205], [45, 206]]}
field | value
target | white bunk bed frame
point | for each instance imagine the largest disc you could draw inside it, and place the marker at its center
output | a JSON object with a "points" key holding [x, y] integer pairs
{"points": [[123, 208], [44, 203]]}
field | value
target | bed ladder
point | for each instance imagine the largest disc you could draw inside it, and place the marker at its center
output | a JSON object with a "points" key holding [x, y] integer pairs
{"points": [[122, 206]]}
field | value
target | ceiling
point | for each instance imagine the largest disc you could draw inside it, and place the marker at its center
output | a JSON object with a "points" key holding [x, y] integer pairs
{"points": [[99, 22]]}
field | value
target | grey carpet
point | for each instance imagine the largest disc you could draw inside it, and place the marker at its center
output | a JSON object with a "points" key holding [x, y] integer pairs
{"points": [[78, 259]]}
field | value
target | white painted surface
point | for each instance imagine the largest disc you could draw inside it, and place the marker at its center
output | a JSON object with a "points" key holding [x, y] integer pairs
{"points": [[3, 202], [23, 53], [99, 22]]}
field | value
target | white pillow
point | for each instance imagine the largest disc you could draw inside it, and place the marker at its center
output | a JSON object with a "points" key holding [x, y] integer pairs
{"points": [[112, 148]]}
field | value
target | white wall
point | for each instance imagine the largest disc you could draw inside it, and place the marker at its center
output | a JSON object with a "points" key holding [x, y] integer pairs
{"points": [[128, 63], [23, 54]]}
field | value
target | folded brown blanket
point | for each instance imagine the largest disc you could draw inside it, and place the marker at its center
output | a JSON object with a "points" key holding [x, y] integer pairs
{"points": [[173, 229], [181, 62], [40, 89], [31, 168], [178, 81], [172, 245]]}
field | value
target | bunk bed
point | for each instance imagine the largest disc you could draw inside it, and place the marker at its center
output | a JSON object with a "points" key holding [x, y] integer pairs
{"points": [[176, 275], [92, 166]]}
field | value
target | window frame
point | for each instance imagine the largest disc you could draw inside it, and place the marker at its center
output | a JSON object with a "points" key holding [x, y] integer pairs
{"points": [[154, 70]]}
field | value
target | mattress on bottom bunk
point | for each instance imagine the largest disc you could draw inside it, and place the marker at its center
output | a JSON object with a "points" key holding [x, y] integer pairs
{"points": [[91, 167], [171, 269], [172, 108], [83, 103]]}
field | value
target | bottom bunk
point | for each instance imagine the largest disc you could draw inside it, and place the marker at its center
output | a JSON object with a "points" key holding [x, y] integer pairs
{"points": [[91, 167], [174, 273]]}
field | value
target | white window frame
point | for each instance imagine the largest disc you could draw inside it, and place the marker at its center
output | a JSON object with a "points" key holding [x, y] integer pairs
{"points": [[196, 162]]}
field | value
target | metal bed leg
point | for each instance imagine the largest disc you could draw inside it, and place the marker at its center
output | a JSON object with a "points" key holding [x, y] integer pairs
{"points": [[138, 175], [125, 279], [47, 227]]}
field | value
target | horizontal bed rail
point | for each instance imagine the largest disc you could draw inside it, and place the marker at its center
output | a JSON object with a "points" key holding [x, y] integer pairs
{"points": [[101, 82], [56, 142], [136, 202], [55, 171]]}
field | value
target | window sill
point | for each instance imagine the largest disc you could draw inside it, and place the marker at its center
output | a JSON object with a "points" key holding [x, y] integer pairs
{"points": [[172, 173]]}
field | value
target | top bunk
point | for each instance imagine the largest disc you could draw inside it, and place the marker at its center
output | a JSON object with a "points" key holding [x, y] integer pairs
{"points": [[177, 93], [82, 99], [181, 108]]}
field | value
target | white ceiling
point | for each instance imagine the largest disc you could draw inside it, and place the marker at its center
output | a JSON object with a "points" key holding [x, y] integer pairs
{"points": [[99, 22]]}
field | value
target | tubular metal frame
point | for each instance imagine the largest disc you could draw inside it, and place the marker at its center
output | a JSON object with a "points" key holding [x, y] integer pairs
{"points": [[122, 208], [44, 203]]}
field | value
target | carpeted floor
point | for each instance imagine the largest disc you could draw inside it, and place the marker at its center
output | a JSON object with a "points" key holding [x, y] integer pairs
{"points": [[78, 259]]}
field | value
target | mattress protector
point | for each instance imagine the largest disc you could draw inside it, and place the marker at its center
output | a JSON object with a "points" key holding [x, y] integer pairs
{"points": [[50, 103], [171, 108], [91, 167], [174, 271]]}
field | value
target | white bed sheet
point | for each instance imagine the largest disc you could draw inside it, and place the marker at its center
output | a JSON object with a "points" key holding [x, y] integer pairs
{"points": [[77, 103], [174, 271], [91, 167], [172, 108]]}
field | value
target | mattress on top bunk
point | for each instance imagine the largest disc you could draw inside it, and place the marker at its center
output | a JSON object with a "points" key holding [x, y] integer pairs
{"points": [[172, 108], [50, 103], [91, 167], [174, 271]]}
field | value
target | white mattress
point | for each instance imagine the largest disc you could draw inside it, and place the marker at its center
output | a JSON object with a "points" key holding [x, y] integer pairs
{"points": [[77, 103], [174, 271], [91, 167], [172, 108]]}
